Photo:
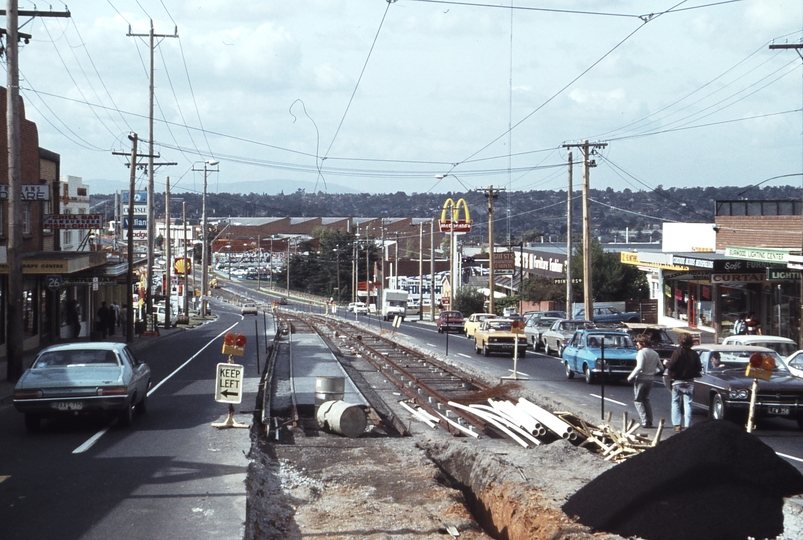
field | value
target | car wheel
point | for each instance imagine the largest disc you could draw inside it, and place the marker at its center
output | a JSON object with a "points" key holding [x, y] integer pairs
{"points": [[477, 348], [547, 351], [522, 352], [127, 414], [142, 406], [718, 410], [560, 351], [590, 378], [485, 350], [32, 421], [569, 372]]}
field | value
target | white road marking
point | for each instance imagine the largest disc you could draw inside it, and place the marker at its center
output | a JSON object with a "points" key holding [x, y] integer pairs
{"points": [[787, 456], [431, 345], [463, 355], [609, 399], [94, 438]]}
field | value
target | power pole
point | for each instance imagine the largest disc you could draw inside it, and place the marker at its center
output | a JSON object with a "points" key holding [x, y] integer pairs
{"points": [[796, 47], [151, 222], [491, 194], [15, 330], [569, 247], [586, 149], [129, 278], [186, 264], [167, 283]]}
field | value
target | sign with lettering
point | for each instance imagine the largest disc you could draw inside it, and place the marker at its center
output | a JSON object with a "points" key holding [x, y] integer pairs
{"points": [[138, 235], [776, 274], [504, 262], [737, 278], [140, 222], [758, 254], [73, 221], [692, 261], [229, 383], [29, 192]]}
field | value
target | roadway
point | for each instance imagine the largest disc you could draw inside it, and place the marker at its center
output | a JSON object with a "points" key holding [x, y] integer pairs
{"points": [[169, 475]]}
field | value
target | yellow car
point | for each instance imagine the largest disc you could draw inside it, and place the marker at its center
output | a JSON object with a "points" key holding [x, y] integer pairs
{"points": [[474, 322]]}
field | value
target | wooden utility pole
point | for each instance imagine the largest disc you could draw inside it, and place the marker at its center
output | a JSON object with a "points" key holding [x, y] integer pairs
{"points": [[569, 247], [186, 263], [14, 329], [797, 48], [168, 256], [151, 221], [588, 293], [491, 194], [129, 279]]}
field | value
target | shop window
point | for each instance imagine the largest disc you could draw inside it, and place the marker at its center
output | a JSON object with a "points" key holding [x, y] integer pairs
{"points": [[29, 312], [2, 218], [26, 218]]}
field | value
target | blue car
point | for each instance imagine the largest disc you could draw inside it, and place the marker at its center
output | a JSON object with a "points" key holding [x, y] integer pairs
{"points": [[584, 354]]}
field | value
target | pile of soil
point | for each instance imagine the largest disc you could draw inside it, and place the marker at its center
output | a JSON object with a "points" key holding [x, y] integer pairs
{"points": [[710, 481]]}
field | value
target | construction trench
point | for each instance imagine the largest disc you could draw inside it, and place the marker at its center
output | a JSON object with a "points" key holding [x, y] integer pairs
{"points": [[306, 482]]}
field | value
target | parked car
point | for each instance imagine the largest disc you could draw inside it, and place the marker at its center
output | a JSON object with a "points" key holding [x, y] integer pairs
{"points": [[83, 378], [584, 354], [794, 363], [783, 346], [160, 315], [610, 315], [725, 391], [250, 308], [556, 336], [534, 328], [450, 321], [358, 308], [659, 338], [550, 313], [496, 335], [475, 321]]}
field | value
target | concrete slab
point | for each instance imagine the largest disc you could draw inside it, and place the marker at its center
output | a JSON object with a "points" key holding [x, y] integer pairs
{"points": [[312, 358]]}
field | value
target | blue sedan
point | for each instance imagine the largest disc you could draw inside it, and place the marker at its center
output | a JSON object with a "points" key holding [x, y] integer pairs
{"points": [[589, 350], [82, 378]]}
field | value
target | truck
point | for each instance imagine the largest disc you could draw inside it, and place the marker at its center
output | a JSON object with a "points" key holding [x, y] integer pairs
{"points": [[394, 302]]}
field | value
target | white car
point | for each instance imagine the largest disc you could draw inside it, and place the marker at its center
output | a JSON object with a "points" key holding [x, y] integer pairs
{"points": [[251, 308], [783, 346], [160, 316], [795, 363], [359, 308]]}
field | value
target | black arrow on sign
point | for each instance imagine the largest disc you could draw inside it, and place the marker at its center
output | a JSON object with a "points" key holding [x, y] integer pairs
{"points": [[226, 393]]}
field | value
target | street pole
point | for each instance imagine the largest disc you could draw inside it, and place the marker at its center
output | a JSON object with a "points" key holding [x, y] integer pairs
{"points": [[204, 242], [186, 264], [259, 262], [421, 271], [432, 270], [129, 331], [491, 194], [168, 255], [569, 292]]}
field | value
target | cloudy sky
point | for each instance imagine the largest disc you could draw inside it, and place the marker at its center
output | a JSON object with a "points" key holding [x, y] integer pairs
{"points": [[371, 96]]}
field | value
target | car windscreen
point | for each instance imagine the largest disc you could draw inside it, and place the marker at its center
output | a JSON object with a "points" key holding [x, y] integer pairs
{"points": [[611, 341], [75, 358], [781, 347], [499, 326], [545, 322], [737, 360], [574, 326]]}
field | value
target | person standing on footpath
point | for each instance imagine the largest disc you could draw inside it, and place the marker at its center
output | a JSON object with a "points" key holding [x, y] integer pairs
{"points": [[647, 363], [103, 319], [753, 326], [683, 366], [114, 317]]}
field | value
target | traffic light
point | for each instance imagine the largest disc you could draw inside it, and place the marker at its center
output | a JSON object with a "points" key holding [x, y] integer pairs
{"points": [[234, 344]]}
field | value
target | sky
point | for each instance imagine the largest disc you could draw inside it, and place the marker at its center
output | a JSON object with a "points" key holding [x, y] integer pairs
{"points": [[381, 97]]}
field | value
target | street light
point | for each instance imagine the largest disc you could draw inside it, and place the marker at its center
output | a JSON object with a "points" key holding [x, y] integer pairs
{"points": [[204, 250]]}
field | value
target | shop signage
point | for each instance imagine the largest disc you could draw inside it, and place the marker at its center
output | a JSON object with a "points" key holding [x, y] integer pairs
{"points": [[692, 261], [452, 223], [628, 257], [138, 234], [29, 192], [140, 222], [737, 278], [758, 254], [73, 221], [140, 197], [504, 262], [775, 274], [102, 281], [743, 267]]}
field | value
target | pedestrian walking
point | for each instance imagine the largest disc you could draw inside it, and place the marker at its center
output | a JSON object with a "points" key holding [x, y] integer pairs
{"points": [[642, 376], [103, 319], [124, 319], [683, 366], [740, 326], [114, 317], [753, 326]]}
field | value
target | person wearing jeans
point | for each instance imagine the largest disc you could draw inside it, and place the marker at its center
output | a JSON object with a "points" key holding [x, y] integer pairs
{"points": [[642, 376], [683, 366]]}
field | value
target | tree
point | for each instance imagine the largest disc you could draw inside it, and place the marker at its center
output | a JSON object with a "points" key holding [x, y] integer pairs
{"points": [[538, 288], [469, 300], [611, 280]]}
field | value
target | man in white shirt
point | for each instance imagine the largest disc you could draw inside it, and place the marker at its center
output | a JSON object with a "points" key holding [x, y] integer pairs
{"points": [[647, 363]]}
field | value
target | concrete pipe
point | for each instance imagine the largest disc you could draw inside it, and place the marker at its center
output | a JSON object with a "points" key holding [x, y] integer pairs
{"points": [[344, 418]]}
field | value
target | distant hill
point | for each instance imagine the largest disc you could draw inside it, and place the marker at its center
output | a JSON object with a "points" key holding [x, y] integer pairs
{"points": [[267, 187]]}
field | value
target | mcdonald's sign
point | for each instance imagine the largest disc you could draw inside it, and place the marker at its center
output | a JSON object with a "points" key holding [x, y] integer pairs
{"points": [[452, 223]]}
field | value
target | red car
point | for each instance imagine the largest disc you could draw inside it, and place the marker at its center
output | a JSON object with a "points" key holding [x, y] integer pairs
{"points": [[450, 321]]}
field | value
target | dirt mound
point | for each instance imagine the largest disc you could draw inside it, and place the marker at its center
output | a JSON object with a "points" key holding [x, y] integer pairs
{"points": [[710, 481]]}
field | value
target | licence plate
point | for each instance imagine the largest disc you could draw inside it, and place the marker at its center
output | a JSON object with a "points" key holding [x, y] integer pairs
{"points": [[69, 405], [783, 411]]}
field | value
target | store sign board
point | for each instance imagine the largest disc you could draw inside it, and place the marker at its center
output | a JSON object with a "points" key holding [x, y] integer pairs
{"points": [[758, 254], [28, 192], [737, 278], [634, 259], [73, 221], [140, 197], [775, 274], [692, 261]]}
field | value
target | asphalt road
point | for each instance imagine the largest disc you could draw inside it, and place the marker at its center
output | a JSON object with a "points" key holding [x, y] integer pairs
{"points": [[546, 376], [169, 475]]}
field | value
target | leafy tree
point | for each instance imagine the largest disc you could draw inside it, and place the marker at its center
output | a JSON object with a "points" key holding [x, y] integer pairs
{"points": [[468, 300], [506, 301], [611, 280], [538, 288]]}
